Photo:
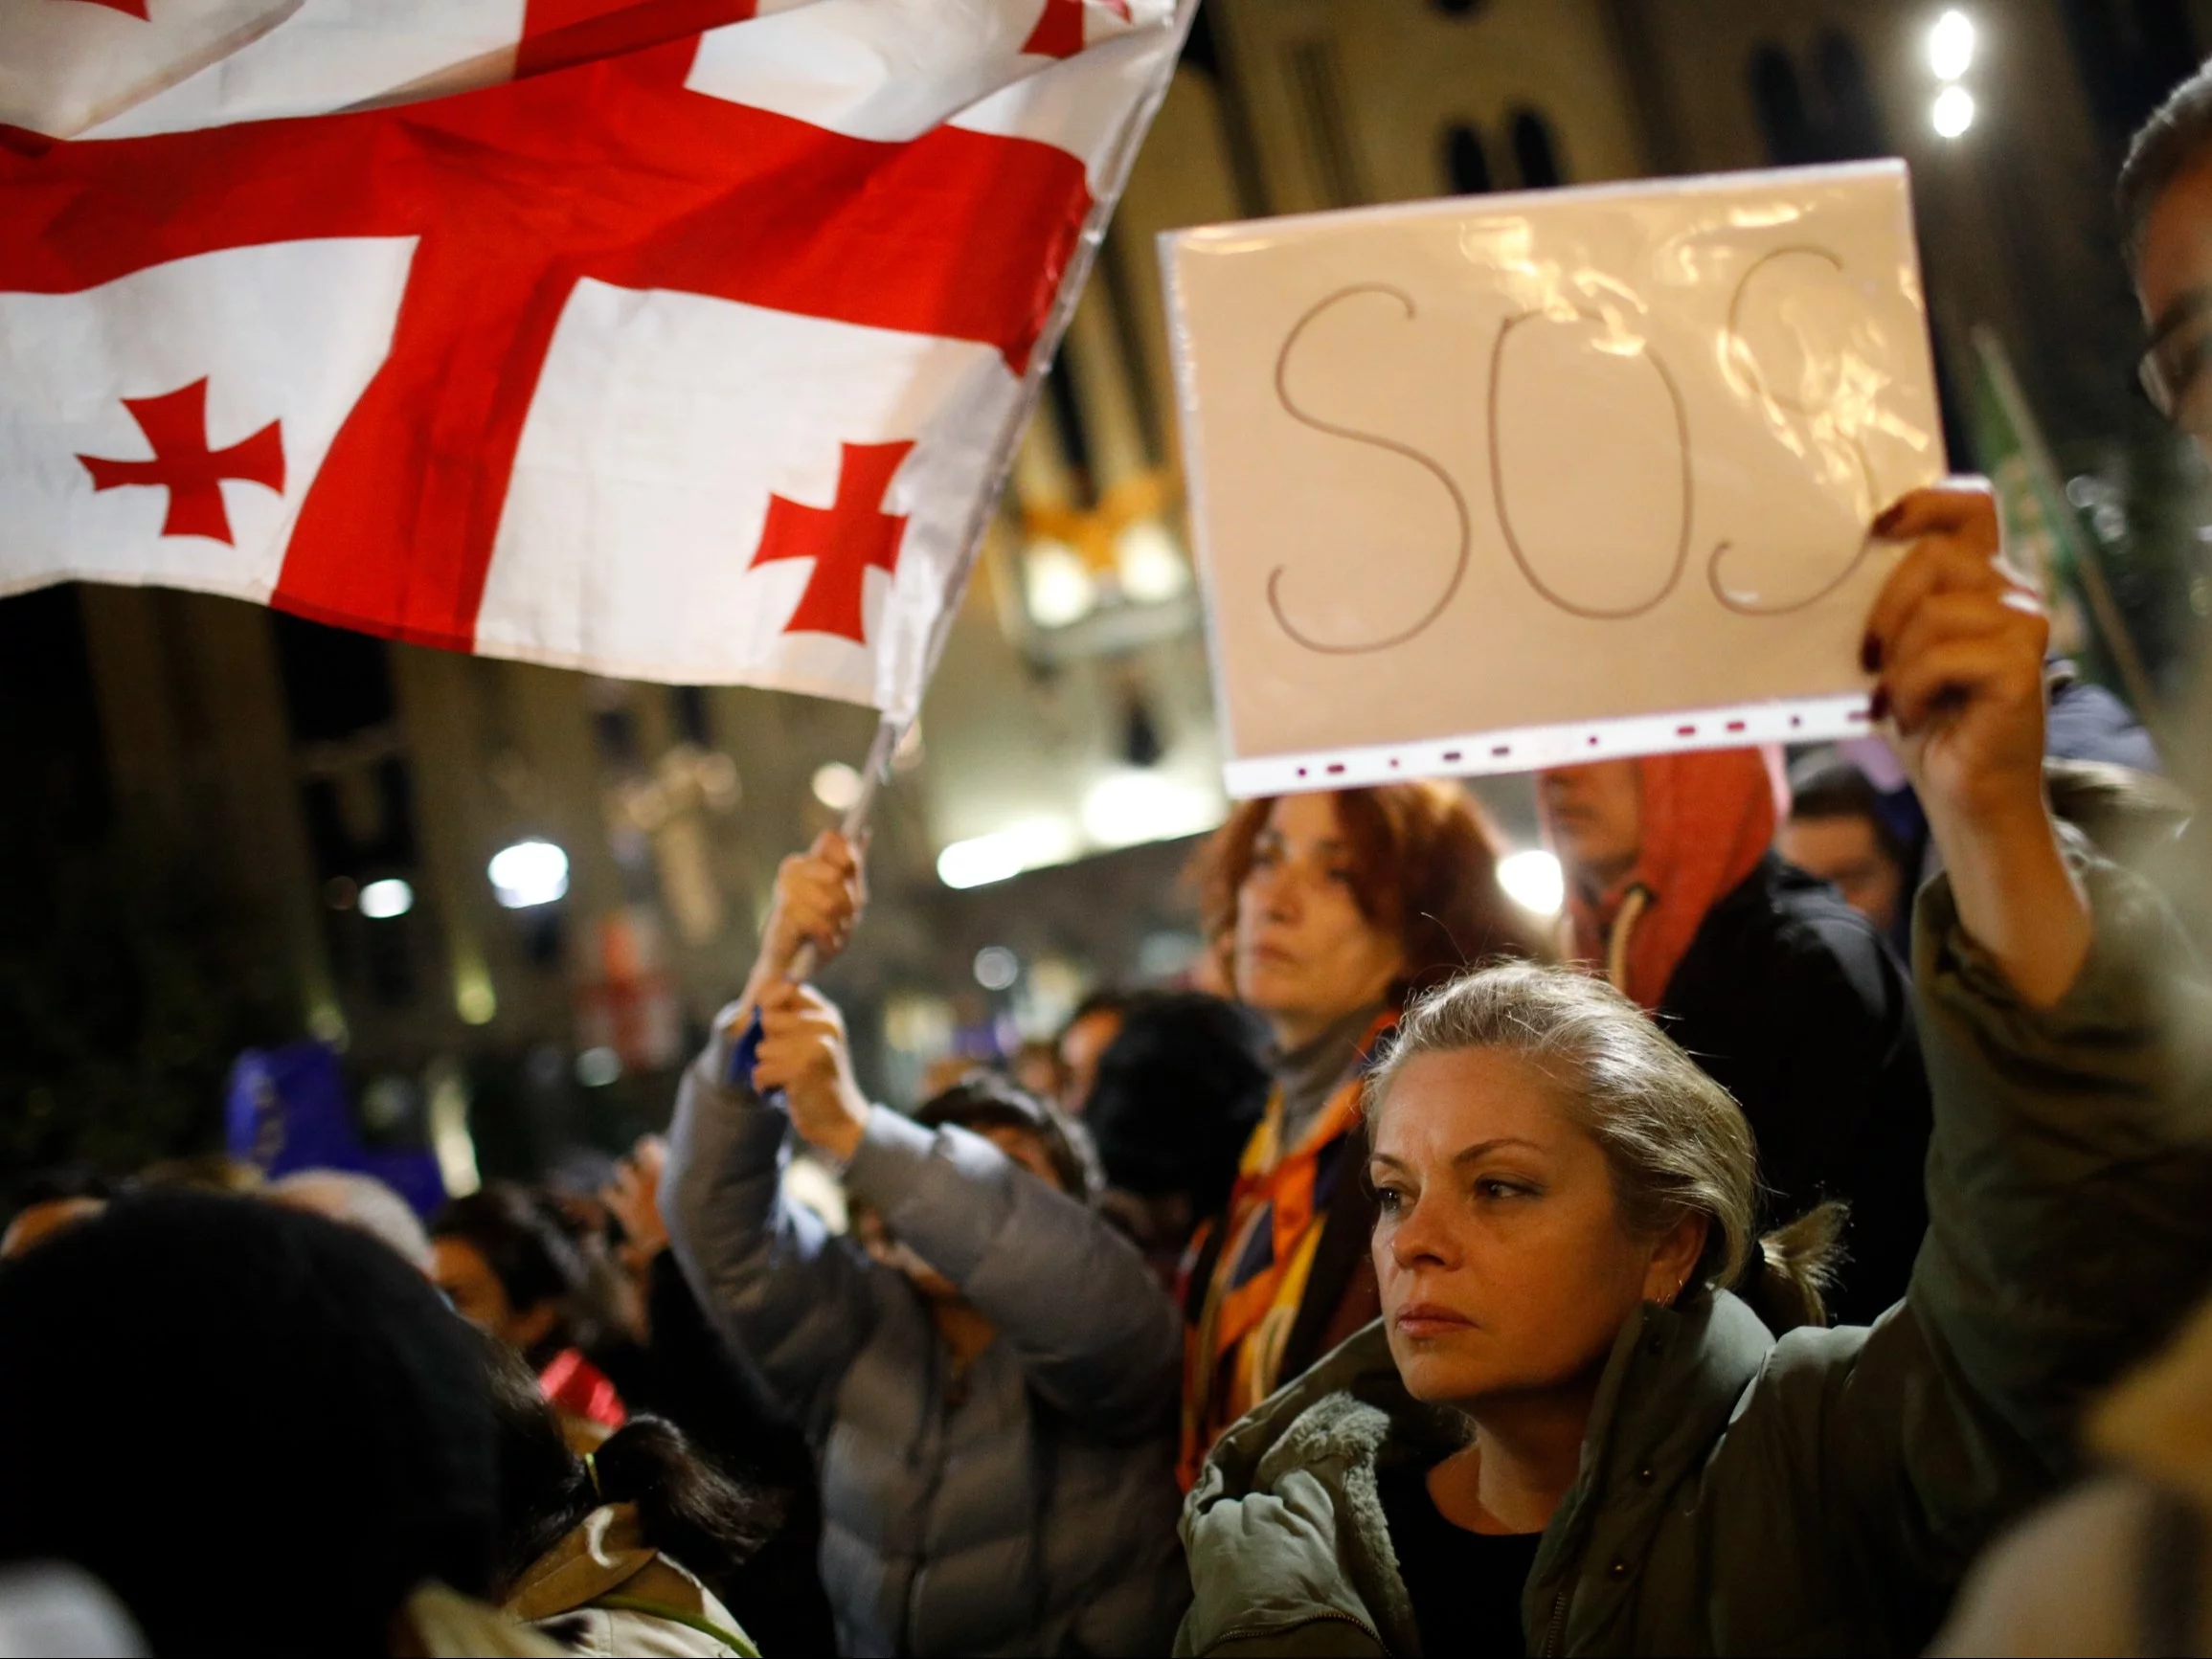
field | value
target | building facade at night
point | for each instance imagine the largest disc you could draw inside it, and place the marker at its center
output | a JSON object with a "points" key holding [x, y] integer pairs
{"points": [[211, 802]]}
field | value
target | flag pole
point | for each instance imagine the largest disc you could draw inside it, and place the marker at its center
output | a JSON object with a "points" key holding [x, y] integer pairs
{"points": [[1114, 175], [888, 733]]}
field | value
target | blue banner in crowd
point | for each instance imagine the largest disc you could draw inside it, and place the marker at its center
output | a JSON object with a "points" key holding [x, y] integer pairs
{"points": [[287, 1110]]}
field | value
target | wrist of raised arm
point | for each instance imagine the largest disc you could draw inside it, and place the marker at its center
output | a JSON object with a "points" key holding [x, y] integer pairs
{"points": [[778, 942], [767, 967], [2019, 899], [840, 1139], [887, 1159]]}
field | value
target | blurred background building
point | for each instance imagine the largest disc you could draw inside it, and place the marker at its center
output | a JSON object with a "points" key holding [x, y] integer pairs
{"points": [[513, 896]]}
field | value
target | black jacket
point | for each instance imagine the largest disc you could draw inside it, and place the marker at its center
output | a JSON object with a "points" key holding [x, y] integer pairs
{"points": [[687, 1377], [1791, 1001]]}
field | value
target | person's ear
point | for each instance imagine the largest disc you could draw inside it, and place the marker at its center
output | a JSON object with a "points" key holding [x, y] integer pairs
{"points": [[1030, 1152], [536, 1325], [1675, 1259]]}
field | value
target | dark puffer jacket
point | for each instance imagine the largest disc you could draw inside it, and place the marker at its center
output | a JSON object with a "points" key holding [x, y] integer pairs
{"points": [[1791, 1001], [1028, 1506]]}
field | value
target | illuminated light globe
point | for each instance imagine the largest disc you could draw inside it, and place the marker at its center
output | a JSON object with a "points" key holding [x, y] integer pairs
{"points": [[1057, 584], [996, 968], [1533, 881], [381, 901], [473, 997], [527, 873], [1151, 569], [837, 786], [1954, 112], [1131, 806], [1007, 853], [1950, 46], [980, 861]]}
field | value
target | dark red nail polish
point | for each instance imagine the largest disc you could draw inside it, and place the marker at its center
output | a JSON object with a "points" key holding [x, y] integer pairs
{"points": [[1879, 709], [1870, 653], [1888, 519]]}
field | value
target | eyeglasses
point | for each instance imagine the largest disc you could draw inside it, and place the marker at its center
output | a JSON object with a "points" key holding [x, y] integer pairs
{"points": [[2173, 363]]}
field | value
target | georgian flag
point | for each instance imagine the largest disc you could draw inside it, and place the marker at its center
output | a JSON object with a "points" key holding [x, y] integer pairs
{"points": [[683, 340]]}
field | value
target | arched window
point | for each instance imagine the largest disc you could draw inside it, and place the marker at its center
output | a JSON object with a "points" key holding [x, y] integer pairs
{"points": [[1779, 101], [1855, 124], [1466, 162], [1536, 152]]}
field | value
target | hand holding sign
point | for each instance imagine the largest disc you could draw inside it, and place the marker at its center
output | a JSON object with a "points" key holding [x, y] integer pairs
{"points": [[1958, 640], [1486, 485]]}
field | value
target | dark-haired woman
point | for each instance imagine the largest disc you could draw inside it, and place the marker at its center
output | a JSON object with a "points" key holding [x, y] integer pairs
{"points": [[260, 1430], [609, 1552], [1174, 1098], [509, 1267], [1327, 910], [1568, 1434]]}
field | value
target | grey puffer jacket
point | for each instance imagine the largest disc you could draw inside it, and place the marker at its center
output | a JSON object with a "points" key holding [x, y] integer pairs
{"points": [[1030, 1506]]}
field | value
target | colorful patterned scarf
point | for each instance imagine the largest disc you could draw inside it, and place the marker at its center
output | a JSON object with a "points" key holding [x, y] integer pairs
{"points": [[1232, 1355]]}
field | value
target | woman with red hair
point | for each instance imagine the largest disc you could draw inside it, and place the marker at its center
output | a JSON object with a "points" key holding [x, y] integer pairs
{"points": [[1787, 996], [1326, 912]]}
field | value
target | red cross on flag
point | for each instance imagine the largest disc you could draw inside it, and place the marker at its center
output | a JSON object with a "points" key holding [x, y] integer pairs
{"points": [[683, 339]]}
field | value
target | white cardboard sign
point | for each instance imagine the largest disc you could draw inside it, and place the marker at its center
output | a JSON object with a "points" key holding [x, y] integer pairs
{"points": [[1492, 484]]}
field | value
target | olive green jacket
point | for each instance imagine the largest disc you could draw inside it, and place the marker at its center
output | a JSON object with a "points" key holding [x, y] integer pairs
{"points": [[1826, 1493]]}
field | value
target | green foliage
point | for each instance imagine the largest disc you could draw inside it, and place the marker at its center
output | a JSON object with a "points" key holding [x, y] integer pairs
{"points": [[123, 1001]]}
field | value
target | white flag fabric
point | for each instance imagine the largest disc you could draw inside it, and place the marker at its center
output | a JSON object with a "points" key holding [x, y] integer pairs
{"points": [[65, 67], [569, 330], [300, 329]]}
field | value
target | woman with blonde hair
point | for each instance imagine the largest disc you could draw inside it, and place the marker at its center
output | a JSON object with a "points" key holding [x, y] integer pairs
{"points": [[1569, 1433], [1326, 911]]}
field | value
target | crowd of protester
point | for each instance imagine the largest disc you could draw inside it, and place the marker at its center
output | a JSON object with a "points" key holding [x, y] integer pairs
{"points": [[1794, 1250]]}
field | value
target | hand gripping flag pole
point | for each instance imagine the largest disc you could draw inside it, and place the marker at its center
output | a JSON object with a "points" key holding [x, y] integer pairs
{"points": [[887, 735]]}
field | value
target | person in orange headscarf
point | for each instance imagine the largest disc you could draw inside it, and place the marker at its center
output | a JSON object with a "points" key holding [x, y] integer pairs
{"points": [[1782, 993]]}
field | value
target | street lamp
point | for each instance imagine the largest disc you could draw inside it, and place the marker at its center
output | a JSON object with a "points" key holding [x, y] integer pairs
{"points": [[1953, 111], [996, 968], [1004, 854], [1534, 881], [1951, 47], [528, 873], [381, 901], [835, 785]]}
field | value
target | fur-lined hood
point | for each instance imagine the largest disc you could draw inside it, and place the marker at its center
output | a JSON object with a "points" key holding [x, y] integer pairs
{"points": [[1285, 1529], [1825, 1492]]}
